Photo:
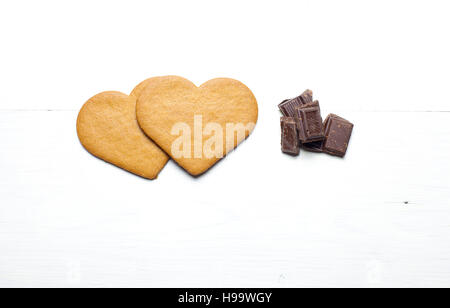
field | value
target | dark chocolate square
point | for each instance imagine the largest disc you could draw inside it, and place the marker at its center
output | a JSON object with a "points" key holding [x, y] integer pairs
{"points": [[288, 107], [310, 123], [290, 143], [338, 132], [307, 97]]}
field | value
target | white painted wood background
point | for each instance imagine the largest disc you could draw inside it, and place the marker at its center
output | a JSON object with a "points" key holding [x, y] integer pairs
{"points": [[378, 218]]}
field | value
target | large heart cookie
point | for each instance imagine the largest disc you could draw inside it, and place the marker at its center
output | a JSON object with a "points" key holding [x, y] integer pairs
{"points": [[196, 126], [108, 129]]}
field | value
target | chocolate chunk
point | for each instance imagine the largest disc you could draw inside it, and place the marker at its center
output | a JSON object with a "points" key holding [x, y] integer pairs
{"points": [[288, 106], [338, 132], [289, 137], [307, 97], [310, 124]]}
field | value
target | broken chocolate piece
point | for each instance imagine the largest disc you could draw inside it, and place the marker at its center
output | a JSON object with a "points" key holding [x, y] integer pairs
{"points": [[310, 124], [338, 132], [288, 106], [289, 138], [316, 146], [307, 97]]}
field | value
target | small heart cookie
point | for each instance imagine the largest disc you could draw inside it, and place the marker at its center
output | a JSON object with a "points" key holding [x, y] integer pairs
{"points": [[196, 126], [108, 129]]}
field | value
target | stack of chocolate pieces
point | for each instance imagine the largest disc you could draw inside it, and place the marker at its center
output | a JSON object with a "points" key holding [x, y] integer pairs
{"points": [[302, 127]]}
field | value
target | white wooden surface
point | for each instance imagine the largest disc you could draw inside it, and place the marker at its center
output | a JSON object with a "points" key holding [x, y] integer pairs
{"points": [[378, 218]]}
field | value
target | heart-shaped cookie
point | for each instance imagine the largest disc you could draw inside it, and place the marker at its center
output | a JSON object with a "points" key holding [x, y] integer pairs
{"points": [[196, 126], [108, 129]]}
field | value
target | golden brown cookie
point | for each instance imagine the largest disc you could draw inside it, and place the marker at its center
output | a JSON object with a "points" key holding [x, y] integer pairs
{"points": [[196, 126], [108, 129]]}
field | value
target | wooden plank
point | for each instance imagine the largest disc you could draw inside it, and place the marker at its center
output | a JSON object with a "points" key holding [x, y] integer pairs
{"points": [[258, 219]]}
